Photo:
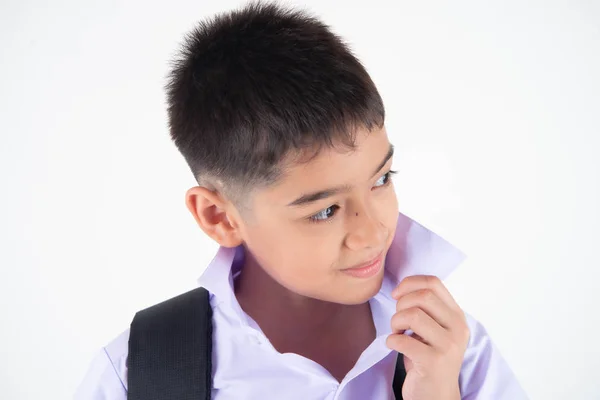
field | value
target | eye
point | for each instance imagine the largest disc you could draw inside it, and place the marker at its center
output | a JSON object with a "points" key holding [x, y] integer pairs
{"points": [[384, 180], [325, 214]]}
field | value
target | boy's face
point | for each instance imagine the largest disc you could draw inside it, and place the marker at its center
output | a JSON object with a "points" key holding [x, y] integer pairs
{"points": [[323, 217]]}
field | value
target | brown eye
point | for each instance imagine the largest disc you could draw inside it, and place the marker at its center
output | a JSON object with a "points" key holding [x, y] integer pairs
{"points": [[325, 214], [384, 180]]}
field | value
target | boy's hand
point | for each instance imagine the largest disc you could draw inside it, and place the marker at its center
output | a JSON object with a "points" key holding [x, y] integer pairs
{"points": [[433, 355]]}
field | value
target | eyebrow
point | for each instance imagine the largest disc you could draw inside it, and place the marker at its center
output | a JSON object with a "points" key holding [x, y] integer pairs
{"points": [[323, 194], [389, 155]]}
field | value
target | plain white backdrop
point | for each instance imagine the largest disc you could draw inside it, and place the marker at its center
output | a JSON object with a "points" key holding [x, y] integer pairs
{"points": [[494, 108]]}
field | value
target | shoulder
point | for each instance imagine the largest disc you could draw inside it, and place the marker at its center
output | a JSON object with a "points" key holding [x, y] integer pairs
{"points": [[485, 374], [106, 377]]}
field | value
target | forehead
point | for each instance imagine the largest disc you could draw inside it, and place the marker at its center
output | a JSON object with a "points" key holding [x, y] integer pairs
{"points": [[330, 167]]}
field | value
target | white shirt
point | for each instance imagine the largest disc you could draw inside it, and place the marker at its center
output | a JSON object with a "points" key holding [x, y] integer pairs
{"points": [[247, 366]]}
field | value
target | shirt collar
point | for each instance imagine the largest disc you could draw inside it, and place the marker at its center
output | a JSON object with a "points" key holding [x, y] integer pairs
{"points": [[415, 250]]}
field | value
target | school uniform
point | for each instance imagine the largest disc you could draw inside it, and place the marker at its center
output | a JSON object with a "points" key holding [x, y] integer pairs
{"points": [[246, 366]]}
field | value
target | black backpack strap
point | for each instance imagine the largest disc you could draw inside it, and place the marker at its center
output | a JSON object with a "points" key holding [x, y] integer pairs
{"points": [[170, 350], [399, 376]]}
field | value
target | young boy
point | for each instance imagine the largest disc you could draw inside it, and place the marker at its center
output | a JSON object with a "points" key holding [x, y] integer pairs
{"points": [[319, 283]]}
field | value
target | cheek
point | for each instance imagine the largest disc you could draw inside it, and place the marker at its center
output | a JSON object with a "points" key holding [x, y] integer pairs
{"points": [[393, 210], [296, 256], [387, 208]]}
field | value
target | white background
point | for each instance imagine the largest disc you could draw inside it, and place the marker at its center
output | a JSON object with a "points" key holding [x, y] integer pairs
{"points": [[493, 107]]}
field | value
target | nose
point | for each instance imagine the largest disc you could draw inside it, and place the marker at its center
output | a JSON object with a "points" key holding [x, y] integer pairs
{"points": [[365, 230]]}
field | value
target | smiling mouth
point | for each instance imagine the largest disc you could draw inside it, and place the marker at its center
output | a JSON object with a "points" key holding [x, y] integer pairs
{"points": [[366, 270]]}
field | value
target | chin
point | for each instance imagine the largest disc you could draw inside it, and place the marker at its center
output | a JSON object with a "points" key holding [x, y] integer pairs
{"points": [[360, 291]]}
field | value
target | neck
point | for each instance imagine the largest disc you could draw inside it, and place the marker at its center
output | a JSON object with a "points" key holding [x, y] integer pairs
{"points": [[285, 316]]}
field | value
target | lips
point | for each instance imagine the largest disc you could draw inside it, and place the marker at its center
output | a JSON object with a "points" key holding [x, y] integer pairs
{"points": [[366, 269], [367, 263]]}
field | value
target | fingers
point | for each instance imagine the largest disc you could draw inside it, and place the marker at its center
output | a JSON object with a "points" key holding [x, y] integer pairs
{"points": [[420, 282], [426, 307], [429, 302], [435, 350], [409, 346], [417, 320]]}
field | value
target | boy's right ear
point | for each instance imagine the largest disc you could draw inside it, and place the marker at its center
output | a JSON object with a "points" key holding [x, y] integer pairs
{"points": [[210, 210]]}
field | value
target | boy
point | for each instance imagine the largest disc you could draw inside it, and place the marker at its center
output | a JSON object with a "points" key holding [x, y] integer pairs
{"points": [[320, 283]]}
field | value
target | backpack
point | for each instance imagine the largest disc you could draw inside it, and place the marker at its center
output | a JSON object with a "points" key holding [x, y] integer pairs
{"points": [[170, 351]]}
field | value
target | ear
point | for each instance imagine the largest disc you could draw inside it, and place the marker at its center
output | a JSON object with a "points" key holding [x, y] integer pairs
{"points": [[214, 215]]}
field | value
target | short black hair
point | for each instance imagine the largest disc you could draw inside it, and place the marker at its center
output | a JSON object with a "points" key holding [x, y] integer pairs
{"points": [[251, 85]]}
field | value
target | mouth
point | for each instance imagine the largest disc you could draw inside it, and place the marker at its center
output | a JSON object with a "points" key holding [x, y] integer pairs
{"points": [[366, 270]]}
